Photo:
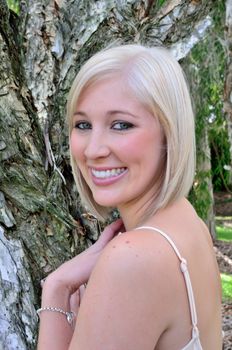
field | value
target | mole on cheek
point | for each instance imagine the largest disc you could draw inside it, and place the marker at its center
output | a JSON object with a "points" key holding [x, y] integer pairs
{"points": [[127, 242]]}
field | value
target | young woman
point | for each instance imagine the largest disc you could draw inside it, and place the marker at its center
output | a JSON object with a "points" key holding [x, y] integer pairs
{"points": [[156, 285]]}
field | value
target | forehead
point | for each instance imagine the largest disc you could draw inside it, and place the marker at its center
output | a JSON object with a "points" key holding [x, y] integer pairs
{"points": [[113, 92], [104, 84]]}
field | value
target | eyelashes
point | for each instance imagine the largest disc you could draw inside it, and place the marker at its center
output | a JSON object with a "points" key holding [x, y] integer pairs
{"points": [[116, 125], [83, 125], [121, 125]]}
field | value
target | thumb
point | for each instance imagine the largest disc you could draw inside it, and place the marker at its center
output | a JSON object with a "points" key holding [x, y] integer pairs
{"points": [[111, 231]]}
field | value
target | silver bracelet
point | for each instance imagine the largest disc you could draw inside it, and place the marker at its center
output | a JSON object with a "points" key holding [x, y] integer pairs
{"points": [[70, 316]]}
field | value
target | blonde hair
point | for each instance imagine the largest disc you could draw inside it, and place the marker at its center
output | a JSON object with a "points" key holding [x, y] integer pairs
{"points": [[158, 82]]}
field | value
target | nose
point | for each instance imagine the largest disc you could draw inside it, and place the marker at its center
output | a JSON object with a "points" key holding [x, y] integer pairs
{"points": [[97, 146]]}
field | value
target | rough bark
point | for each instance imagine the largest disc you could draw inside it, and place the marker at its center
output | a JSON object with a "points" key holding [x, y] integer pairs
{"points": [[228, 78], [40, 52]]}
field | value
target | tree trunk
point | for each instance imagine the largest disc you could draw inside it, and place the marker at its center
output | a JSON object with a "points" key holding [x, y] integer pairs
{"points": [[228, 79], [41, 50], [204, 173]]}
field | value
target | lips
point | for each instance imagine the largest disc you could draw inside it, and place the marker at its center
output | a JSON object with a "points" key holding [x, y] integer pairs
{"points": [[105, 177], [107, 173]]}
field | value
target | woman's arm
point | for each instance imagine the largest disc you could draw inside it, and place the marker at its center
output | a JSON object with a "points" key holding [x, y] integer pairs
{"points": [[55, 332]]}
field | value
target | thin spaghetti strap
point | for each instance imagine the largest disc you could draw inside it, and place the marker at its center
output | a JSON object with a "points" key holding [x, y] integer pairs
{"points": [[184, 269], [164, 235]]}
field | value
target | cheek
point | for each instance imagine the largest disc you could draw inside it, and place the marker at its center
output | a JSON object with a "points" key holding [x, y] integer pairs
{"points": [[144, 145], [76, 147], [127, 145]]}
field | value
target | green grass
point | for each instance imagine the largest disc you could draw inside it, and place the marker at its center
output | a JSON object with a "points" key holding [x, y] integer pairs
{"points": [[226, 281], [225, 234]]}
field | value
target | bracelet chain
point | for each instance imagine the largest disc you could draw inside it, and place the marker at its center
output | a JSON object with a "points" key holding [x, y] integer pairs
{"points": [[70, 316]]}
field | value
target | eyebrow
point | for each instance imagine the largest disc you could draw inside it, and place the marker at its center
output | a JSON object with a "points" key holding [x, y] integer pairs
{"points": [[80, 113], [83, 114]]}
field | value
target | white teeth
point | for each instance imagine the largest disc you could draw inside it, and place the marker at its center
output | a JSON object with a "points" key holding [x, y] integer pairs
{"points": [[103, 174]]}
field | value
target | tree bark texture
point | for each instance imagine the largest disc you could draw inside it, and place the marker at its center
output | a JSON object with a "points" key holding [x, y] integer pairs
{"points": [[228, 77], [41, 220]]}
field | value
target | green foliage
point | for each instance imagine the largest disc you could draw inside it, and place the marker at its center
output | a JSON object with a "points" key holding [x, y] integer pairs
{"points": [[160, 3], [218, 135], [13, 5], [220, 153], [200, 195], [205, 68], [226, 281]]}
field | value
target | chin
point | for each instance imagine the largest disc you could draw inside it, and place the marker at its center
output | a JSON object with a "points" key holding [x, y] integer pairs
{"points": [[106, 201]]}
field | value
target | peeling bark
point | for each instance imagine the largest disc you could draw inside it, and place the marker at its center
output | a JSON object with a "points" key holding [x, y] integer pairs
{"points": [[40, 53], [18, 316]]}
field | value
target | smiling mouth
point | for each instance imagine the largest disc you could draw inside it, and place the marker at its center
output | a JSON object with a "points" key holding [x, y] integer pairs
{"points": [[109, 173]]}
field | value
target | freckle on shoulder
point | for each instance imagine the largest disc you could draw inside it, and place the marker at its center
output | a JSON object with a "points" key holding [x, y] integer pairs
{"points": [[128, 240]]}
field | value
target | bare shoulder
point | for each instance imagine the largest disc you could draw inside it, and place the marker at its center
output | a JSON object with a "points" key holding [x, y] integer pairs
{"points": [[137, 249], [206, 232], [124, 293], [141, 261]]}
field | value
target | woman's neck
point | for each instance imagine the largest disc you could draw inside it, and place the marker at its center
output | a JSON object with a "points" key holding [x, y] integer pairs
{"points": [[134, 216], [133, 213]]}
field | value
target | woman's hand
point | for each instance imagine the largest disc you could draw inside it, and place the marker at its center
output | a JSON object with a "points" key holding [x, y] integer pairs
{"points": [[75, 272], [107, 234], [75, 300]]}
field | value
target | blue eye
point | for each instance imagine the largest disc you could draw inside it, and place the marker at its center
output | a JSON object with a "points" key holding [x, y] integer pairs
{"points": [[83, 125], [122, 125]]}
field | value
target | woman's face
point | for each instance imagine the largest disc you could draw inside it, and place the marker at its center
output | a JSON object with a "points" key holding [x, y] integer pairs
{"points": [[117, 144]]}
